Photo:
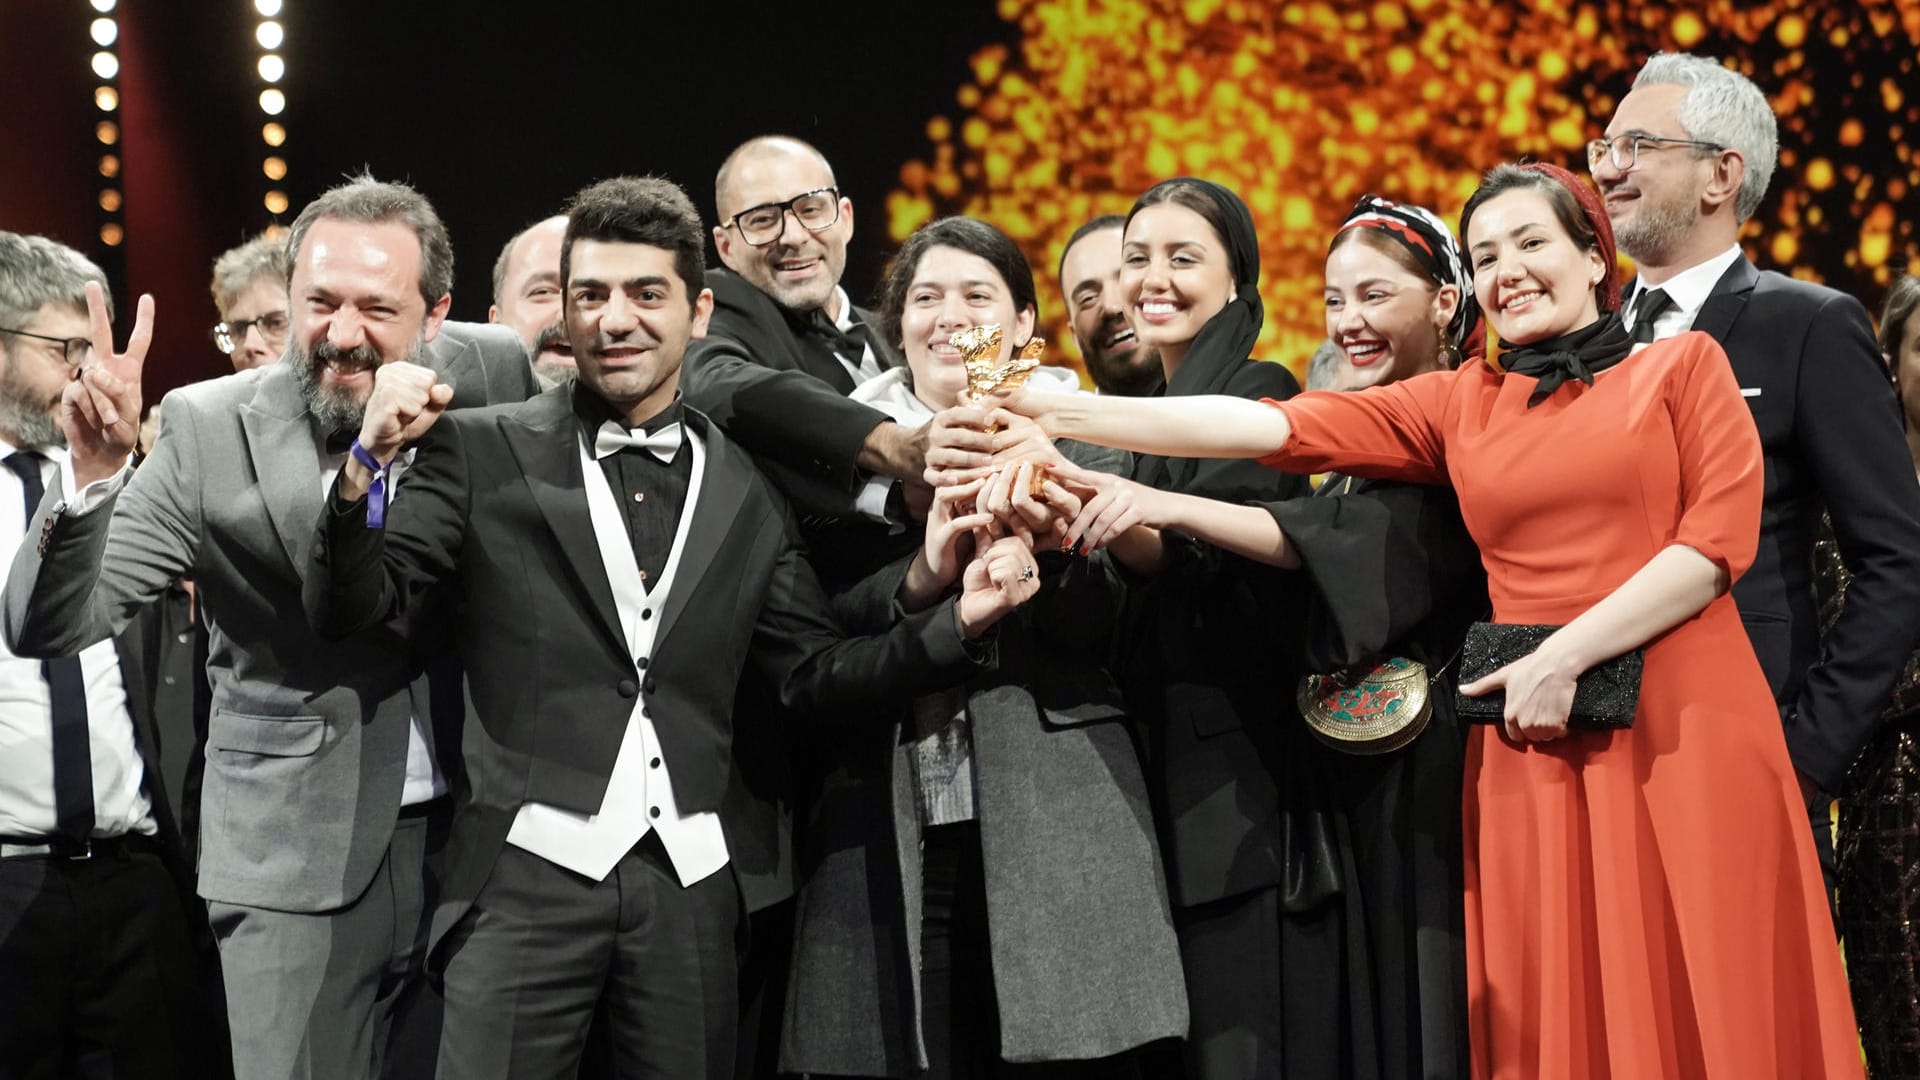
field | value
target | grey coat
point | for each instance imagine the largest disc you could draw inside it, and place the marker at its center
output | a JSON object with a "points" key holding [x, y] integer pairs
{"points": [[1084, 958], [307, 741]]}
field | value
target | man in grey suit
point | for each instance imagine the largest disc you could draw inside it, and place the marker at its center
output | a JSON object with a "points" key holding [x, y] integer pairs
{"points": [[323, 801]]}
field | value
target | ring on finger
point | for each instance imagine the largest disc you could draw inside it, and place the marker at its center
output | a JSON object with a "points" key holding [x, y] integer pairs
{"points": [[1027, 572]]}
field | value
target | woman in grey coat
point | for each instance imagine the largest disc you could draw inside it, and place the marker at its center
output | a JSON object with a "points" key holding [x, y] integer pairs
{"points": [[982, 885]]}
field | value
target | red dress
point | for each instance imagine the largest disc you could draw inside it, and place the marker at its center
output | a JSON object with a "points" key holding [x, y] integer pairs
{"points": [[1640, 903]]}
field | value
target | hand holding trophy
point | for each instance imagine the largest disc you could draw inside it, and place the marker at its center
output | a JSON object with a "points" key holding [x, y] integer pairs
{"points": [[980, 346]]}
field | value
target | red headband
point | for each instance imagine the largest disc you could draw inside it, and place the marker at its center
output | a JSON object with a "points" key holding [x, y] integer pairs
{"points": [[1595, 209]]}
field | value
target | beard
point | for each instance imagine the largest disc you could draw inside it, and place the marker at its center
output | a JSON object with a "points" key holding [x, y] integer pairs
{"points": [[31, 422], [1656, 231], [337, 408]]}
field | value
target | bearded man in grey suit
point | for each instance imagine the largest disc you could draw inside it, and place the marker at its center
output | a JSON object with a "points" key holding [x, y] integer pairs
{"points": [[323, 802]]}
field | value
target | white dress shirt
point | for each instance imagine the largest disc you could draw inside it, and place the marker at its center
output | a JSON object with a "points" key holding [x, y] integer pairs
{"points": [[639, 791], [866, 365], [120, 804], [1688, 290], [424, 781]]}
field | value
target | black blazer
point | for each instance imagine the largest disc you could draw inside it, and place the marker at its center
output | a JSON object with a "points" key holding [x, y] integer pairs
{"points": [[495, 499], [782, 394], [1830, 428], [1206, 679]]}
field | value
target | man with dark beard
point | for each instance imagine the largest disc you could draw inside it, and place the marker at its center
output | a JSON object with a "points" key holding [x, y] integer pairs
{"points": [[526, 297], [323, 802], [95, 964], [1090, 280], [1684, 163]]}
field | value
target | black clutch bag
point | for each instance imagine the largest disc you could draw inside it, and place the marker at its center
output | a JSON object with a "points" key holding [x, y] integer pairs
{"points": [[1604, 697]]}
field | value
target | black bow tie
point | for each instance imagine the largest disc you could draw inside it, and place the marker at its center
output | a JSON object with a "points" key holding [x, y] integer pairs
{"points": [[850, 343]]}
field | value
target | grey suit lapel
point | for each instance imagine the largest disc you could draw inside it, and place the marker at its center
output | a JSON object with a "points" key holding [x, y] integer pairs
{"points": [[544, 441], [1728, 298], [279, 434], [723, 490]]}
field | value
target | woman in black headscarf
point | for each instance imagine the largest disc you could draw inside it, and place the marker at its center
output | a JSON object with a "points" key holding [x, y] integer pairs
{"points": [[1374, 979]]}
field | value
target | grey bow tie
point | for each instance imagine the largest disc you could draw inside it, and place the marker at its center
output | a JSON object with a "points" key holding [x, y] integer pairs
{"points": [[612, 438]]}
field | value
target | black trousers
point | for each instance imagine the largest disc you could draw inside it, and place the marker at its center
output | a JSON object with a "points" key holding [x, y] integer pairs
{"points": [[97, 974], [542, 947]]}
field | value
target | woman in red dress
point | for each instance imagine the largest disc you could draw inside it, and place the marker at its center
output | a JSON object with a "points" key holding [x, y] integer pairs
{"points": [[1640, 902]]}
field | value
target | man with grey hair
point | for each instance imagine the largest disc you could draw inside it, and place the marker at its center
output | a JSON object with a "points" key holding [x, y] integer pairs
{"points": [[323, 801], [250, 293], [96, 969], [1683, 164], [526, 296]]}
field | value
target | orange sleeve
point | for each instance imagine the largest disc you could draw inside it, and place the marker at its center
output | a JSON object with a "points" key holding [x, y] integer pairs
{"points": [[1722, 476], [1390, 432]]}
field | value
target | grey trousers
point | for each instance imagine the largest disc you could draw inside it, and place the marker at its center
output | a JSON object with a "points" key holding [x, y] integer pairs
{"points": [[313, 996], [542, 947]]}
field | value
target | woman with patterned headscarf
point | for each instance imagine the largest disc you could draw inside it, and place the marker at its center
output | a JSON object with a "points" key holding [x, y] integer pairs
{"points": [[1642, 900], [1372, 958]]}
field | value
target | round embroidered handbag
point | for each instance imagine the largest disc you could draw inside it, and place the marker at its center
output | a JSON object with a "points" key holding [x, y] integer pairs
{"points": [[1374, 710]]}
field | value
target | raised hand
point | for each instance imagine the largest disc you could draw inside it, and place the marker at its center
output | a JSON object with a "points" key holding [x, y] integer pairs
{"points": [[100, 408], [945, 547], [1002, 576], [405, 402], [1037, 519], [1110, 505], [959, 446]]}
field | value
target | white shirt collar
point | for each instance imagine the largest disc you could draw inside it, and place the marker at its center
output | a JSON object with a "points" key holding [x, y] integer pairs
{"points": [[845, 321], [1689, 288]]}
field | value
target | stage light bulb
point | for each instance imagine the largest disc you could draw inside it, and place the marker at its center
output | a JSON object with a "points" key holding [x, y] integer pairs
{"points": [[272, 67], [269, 35], [106, 98], [111, 234], [109, 166], [267, 8], [272, 101], [103, 6], [110, 200], [273, 134], [107, 132], [275, 202], [106, 65], [275, 168], [104, 31]]}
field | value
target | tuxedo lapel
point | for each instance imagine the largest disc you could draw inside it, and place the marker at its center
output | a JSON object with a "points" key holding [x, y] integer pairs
{"points": [[279, 433], [1728, 298], [883, 349], [545, 442], [722, 492]]}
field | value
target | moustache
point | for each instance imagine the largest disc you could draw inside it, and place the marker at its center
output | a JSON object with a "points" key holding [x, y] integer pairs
{"points": [[553, 337], [362, 357]]}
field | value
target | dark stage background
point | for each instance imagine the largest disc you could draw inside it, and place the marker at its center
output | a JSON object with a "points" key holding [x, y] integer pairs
{"points": [[1034, 115]]}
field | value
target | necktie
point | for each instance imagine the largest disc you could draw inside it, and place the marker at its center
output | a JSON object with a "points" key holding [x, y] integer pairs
{"points": [[612, 438], [1647, 309], [72, 757], [851, 344]]}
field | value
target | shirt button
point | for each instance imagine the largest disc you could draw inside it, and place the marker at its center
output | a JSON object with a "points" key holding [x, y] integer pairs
{"points": [[643, 575], [626, 688], [642, 662], [654, 764], [646, 613], [182, 638], [639, 496], [653, 812], [169, 680]]}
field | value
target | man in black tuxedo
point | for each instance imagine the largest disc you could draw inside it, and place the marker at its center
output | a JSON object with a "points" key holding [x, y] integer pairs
{"points": [[786, 344], [1683, 164], [623, 563]]}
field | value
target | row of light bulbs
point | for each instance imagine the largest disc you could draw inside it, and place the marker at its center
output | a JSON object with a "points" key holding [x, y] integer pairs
{"points": [[272, 67]]}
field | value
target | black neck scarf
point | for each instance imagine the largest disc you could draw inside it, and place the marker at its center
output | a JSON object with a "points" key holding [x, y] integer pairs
{"points": [[1226, 341], [1578, 354]]}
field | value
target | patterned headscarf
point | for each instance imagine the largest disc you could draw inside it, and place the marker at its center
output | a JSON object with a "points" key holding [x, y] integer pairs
{"points": [[1432, 245]]}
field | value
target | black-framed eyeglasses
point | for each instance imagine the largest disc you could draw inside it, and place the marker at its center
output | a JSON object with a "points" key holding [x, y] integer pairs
{"points": [[1624, 150], [228, 336], [73, 350], [814, 210]]}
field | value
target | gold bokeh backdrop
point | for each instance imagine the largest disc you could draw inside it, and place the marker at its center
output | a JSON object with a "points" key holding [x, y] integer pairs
{"points": [[1303, 107]]}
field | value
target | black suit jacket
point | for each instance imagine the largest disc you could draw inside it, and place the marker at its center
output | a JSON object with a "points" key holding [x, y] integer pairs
{"points": [[782, 395], [496, 500], [1830, 428]]}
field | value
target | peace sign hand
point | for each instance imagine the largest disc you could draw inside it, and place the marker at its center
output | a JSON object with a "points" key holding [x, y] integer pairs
{"points": [[100, 408]]}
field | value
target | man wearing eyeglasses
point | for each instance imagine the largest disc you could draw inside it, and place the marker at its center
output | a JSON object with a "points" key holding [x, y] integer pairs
{"points": [[96, 973], [250, 293], [786, 343], [1684, 163]]}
